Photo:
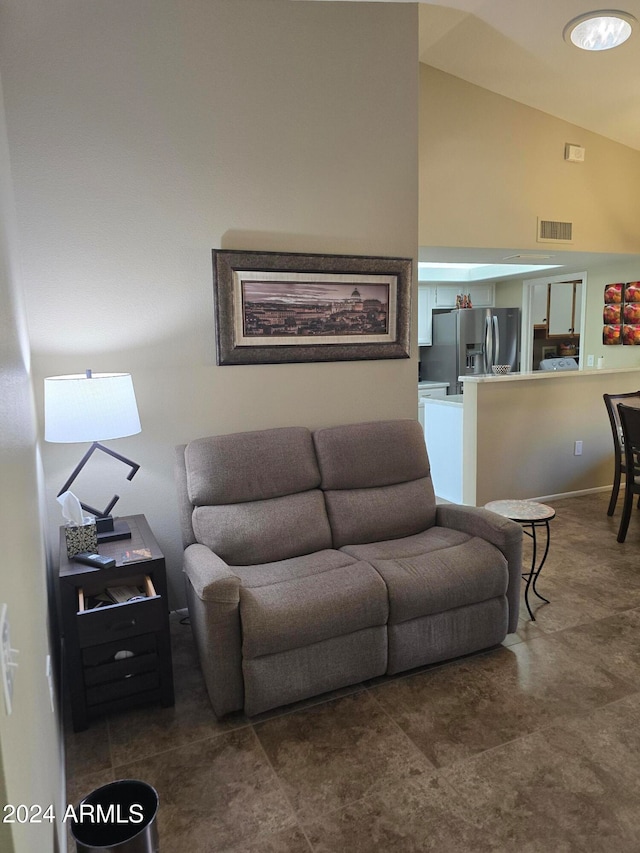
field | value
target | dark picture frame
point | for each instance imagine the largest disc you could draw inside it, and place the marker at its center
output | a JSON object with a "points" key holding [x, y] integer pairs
{"points": [[281, 307]]}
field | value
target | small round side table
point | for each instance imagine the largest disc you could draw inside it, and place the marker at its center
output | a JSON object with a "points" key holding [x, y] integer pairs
{"points": [[531, 515]]}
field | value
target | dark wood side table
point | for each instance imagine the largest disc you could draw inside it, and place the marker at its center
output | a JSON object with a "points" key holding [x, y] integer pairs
{"points": [[116, 656]]}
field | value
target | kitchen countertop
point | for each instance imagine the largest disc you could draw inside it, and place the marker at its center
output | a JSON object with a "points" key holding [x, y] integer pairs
{"points": [[426, 384], [450, 400], [546, 374]]}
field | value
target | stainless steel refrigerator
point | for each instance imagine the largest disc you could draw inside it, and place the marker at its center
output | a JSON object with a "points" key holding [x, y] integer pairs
{"points": [[468, 342]]}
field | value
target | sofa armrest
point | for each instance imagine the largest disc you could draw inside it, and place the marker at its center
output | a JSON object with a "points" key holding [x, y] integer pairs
{"points": [[213, 596], [210, 576], [505, 534]]}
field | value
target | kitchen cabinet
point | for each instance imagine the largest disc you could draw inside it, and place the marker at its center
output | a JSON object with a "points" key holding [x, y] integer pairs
{"points": [[540, 304], [577, 307], [424, 316], [564, 298], [444, 439], [432, 389], [482, 295], [442, 296]]}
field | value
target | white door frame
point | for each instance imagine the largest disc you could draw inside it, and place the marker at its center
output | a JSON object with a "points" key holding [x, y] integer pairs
{"points": [[526, 333]]}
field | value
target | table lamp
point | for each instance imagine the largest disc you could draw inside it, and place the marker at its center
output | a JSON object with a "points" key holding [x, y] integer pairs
{"points": [[93, 407]]}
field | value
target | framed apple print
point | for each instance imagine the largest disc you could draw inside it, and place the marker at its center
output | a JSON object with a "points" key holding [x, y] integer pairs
{"points": [[631, 324], [621, 314]]}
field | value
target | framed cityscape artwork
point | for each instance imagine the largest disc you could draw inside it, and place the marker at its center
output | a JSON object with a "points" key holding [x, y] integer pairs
{"points": [[274, 308], [621, 314]]}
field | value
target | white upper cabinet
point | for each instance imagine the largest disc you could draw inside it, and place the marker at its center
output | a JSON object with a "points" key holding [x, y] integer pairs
{"points": [[561, 313], [424, 316], [482, 295], [577, 307], [432, 296], [539, 304]]}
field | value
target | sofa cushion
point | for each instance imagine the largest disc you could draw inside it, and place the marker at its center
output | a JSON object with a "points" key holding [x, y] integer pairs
{"points": [[264, 574], [263, 531], [369, 515], [250, 466], [361, 456], [291, 609], [435, 571], [376, 481]]}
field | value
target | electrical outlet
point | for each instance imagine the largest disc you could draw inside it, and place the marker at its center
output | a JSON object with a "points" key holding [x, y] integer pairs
{"points": [[577, 448], [590, 361], [7, 663]]}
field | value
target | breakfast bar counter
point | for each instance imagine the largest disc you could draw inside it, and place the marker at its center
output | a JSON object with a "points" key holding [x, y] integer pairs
{"points": [[546, 374], [518, 433]]}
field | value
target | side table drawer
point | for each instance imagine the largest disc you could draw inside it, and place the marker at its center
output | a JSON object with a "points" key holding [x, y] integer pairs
{"points": [[112, 661], [93, 656], [112, 690], [118, 621]]}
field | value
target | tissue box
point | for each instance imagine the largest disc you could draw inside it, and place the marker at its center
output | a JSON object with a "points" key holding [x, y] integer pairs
{"points": [[81, 538]]}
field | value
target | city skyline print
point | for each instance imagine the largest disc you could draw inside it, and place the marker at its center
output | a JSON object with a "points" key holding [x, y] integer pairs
{"points": [[314, 309], [276, 308]]}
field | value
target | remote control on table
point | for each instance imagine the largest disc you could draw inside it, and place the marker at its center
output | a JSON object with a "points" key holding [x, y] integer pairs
{"points": [[97, 560]]}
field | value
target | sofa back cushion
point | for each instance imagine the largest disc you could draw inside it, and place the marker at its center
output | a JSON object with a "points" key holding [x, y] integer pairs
{"points": [[255, 495], [251, 466], [376, 480]]}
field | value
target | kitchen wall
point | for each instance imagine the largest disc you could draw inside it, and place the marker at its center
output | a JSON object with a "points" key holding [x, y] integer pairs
{"points": [[490, 166], [598, 278], [143, 133], [508, 294], [30, 741]]}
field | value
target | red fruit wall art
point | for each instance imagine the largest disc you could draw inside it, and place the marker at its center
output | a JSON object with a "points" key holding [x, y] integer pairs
{"points": [[621, 314]]}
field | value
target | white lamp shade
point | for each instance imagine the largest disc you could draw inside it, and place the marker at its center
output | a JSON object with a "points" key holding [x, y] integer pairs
{"points": [[95, 408]]}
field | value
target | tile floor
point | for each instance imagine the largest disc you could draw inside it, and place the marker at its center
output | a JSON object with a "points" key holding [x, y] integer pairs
{"points": [[533, 746]]}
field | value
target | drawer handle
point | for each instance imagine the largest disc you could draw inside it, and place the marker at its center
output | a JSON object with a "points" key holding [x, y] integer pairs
{"points": [[121, 626]]}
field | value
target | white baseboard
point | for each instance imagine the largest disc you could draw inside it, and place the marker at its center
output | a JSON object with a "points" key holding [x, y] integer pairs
{"points": [[562, 495]]}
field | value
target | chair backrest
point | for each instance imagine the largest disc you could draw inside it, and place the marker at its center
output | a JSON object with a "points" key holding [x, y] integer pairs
{"points": [[630, 421], [376, 480], [612, 402], [253, 497]]}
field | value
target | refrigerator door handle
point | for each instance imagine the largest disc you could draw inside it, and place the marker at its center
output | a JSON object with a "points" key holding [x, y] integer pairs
{"points": [[496, 334], [488, 345]]}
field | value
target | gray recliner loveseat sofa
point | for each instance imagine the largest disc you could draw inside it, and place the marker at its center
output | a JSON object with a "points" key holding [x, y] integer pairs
{"points": [[315, 560]]}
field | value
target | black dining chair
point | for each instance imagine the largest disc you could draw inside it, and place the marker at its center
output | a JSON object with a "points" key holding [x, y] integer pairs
{"points": [[630, 421], [611, 402]]}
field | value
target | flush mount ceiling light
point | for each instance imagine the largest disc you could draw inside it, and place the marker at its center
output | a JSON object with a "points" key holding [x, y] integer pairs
{"points": [[600, 30]]}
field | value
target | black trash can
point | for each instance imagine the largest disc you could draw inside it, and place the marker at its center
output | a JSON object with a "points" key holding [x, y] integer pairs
{"points": [[120, 817]]}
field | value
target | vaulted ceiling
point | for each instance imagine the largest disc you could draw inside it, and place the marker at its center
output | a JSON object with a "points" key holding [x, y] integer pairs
{"points": [[515, 48]]}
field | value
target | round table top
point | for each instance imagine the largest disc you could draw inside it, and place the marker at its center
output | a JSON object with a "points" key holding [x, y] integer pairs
{"points": [[526, 511]]}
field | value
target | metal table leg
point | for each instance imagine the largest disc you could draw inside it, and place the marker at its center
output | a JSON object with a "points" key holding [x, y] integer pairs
{"points": [[533, 575]]}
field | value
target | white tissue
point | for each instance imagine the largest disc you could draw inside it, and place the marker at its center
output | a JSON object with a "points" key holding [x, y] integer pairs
{"points": [[72, 510]]}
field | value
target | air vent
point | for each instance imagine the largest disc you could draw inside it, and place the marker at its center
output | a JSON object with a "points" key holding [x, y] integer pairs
{"points": [[550, 231]]}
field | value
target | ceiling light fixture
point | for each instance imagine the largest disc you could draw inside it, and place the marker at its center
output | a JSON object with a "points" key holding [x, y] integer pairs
{"points": [[600, 30]]}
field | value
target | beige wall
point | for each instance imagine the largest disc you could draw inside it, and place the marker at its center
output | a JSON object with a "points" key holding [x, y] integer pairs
{"points": [[534, 424], [598, 278], [490, 166], [146, 132], [30, 744]]}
